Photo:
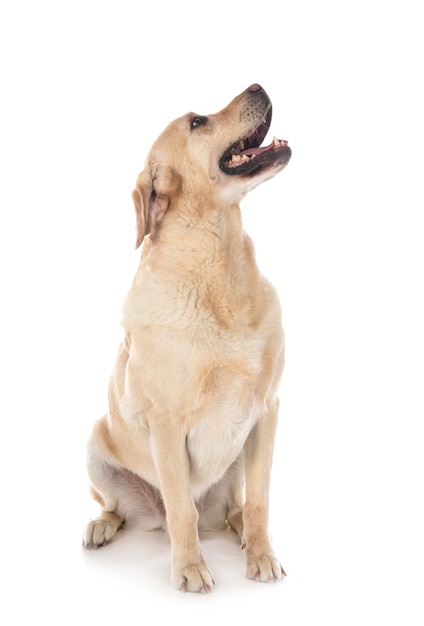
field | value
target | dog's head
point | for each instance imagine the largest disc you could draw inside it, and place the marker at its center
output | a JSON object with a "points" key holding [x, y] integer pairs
{"points": [[216, 158]]}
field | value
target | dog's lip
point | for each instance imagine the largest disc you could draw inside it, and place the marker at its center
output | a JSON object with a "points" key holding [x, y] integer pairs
{"points": [[249, 142], [250, 160], [246, 155]]}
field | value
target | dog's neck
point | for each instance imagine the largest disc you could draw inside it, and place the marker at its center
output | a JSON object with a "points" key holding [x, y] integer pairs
{"points": [[200, 241], [211, 256]]}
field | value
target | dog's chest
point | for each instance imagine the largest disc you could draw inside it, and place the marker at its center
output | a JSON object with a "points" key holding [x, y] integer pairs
{"points": [[217, 438]]}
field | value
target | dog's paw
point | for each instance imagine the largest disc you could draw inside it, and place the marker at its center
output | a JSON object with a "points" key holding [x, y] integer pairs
{"points": [[100, 531], [195, 577], [264, 567]]}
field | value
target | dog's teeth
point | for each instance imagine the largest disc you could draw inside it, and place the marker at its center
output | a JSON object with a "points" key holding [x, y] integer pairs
{"points": [[276, 142], [237, 159]]}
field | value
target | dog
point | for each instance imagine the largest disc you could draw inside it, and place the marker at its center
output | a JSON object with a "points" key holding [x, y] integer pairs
{"points": [[188, 439]]}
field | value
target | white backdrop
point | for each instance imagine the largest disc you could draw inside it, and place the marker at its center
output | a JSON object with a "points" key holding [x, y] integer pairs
{"points": [[86, 87]]}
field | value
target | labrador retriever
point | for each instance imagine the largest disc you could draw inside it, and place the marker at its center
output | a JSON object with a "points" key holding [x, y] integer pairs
{"points": [[188, 439]]}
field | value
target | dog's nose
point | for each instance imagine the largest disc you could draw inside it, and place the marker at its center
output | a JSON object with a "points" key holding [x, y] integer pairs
{"points": [[254, 87]]}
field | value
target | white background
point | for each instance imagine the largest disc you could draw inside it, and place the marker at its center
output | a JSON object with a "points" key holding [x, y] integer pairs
{"points": [[85, 89]]}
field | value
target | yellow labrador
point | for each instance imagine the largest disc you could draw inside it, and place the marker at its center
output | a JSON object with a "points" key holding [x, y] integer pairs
{"points": [[188, 440]]}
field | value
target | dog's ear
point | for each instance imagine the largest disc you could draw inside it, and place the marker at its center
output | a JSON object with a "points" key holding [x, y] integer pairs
{"points": [[155, 188]]}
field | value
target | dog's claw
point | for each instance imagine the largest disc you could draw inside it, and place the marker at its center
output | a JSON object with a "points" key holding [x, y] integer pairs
{"points": [[204, 589], [265, 568], [196, 578]]}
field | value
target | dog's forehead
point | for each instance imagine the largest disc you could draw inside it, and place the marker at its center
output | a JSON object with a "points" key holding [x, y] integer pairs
{"points": [[179, 142], [173, 135], [180, 130]]}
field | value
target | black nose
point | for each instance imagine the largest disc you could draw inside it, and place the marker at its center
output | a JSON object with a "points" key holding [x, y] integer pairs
{"points": [[254, 87]]}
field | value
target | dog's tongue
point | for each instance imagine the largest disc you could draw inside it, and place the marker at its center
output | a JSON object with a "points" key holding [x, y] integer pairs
{"points": [[276, 143]]}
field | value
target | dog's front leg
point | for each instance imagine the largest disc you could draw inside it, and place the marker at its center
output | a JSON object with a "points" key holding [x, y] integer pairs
{"points": [[262, 564], [189, 569]]}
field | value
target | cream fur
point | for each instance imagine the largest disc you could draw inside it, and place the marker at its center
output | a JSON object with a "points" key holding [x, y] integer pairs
{"points": [[188, 439]]}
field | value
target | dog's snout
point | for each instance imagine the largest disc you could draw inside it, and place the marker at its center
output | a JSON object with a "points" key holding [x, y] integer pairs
{"points": [[254, 87]]}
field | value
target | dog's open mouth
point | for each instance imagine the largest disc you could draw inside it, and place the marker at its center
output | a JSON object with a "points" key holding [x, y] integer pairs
{"points": [[246, 156]]}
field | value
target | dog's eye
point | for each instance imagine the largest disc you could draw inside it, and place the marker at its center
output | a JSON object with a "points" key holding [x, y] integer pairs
{"points": [[197, 120]]}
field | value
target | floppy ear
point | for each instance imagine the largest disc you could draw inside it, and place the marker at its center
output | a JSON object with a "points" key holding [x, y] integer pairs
{"points": [[155, 187]]}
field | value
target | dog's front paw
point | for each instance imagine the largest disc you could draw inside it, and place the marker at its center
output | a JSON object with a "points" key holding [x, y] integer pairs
{"points": [[100, 531], [264, 567], [195, 577]]}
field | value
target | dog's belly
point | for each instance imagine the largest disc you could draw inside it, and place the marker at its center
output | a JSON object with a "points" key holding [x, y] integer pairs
{"points": [[217, 439]]}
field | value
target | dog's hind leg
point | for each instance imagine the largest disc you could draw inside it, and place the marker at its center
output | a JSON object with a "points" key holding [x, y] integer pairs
{"points": [[125, 498], [222, 505], [130, 501], [235, 502], [235, 520], [101, 530]]}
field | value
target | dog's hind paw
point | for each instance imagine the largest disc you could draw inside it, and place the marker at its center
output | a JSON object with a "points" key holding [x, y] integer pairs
{"points": [[100, 531], [193, 577], [264, 568]]}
